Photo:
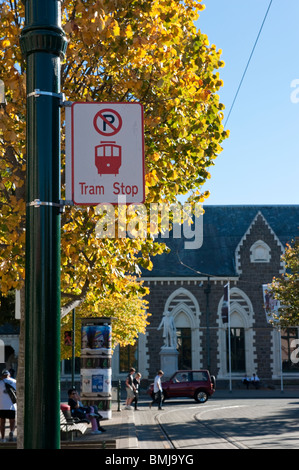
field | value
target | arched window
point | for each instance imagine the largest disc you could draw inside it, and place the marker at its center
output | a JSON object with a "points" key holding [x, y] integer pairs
{"points": [[184, 342], [242, 337], [260, 252], [184, 308], [237, 343]]}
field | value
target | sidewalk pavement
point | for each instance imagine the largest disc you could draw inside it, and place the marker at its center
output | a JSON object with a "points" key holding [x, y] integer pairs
{"points": [[120, 434], [121, 428]]}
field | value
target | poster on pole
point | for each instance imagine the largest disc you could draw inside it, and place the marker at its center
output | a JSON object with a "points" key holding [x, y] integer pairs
{"points": [[225, 310], [271, 305]]}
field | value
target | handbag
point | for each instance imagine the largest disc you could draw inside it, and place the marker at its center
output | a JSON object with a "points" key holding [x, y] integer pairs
{"points": [[11, 392], [79, 413]]}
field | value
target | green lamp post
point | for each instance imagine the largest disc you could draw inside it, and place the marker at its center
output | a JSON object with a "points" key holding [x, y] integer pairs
{"points": [[43, 43]]}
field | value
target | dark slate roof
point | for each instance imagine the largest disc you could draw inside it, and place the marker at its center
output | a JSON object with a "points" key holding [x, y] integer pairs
{"points": [[223, 228], [9, 329]]}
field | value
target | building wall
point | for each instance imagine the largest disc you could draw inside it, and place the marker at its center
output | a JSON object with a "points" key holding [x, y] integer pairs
{"points": [[257, 260]]}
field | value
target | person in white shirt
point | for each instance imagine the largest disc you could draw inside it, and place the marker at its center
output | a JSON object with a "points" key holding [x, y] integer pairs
{"points": [[7, 407], [158, 390]]}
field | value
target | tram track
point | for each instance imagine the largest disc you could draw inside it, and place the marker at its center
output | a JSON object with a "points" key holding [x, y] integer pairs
{"points": [[238, 423], [165, 435], [222, 435], [196, 418]]}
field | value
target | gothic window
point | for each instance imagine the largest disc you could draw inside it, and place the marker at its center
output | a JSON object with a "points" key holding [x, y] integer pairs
{"points": [[184, 348], [260, 252], [241, 334], [238, 359]]}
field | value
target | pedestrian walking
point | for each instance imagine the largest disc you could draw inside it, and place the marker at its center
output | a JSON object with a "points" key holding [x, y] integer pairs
{"points": [[8, 406], [130, 388], [158, 390], [136, 382]]}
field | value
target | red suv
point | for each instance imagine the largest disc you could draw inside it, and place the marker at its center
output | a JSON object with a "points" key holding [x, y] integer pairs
{"points": [[197, 384]]}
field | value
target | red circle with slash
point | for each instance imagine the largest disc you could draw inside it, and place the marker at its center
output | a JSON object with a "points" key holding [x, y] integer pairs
{"points": [[110, 122]]}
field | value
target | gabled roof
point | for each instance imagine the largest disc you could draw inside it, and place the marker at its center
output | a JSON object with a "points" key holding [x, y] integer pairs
{"points": [[223, 229]]}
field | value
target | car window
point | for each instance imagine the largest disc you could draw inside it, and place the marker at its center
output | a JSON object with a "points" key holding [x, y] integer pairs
{"points": [[181, 377], [200, 376]]}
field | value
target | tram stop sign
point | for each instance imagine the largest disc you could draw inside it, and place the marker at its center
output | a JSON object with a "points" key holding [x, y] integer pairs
{"points": [[107, 153]]}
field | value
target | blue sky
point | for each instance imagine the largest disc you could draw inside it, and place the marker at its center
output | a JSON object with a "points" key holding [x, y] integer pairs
{"points": [[259, 163]]}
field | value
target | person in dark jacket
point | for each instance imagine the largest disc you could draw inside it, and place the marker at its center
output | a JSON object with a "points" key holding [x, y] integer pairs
{"points": [[136, 382]]}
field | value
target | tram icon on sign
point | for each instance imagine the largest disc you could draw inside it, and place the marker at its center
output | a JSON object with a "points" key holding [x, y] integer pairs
{"points": [[107, 122], [108, 158]]}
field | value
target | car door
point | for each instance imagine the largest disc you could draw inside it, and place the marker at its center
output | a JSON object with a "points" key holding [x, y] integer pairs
{"points": [[200, 380], [179, 385]]}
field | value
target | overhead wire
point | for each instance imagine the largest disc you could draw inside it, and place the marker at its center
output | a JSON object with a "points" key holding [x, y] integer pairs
{"points": [[231, 108], [248, 62]]}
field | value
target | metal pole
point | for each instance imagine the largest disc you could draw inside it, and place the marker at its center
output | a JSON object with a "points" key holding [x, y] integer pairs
{"points": [[229, 342], [280, 360], [43, 43], [207, 291], [118, 395], [73, 347]]}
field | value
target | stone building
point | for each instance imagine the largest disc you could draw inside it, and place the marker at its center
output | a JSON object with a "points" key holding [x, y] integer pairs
{"points": [[242, 245]]}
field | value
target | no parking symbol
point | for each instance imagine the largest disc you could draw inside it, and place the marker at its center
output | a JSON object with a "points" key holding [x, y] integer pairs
{"points": [[107, 122]]}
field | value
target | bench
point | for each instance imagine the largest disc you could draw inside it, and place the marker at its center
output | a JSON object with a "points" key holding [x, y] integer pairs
{"points": [[249, 383], [68, 424]]}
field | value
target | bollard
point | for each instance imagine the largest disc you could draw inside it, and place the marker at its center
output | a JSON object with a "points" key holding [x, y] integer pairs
{"points": [[118, 395]]}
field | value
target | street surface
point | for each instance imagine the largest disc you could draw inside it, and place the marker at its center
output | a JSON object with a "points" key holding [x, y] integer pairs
{"points": [[240, 423]]}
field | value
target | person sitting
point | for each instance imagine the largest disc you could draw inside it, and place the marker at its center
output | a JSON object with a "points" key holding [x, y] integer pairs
{"points": [[85, 412], [246, 381], [255, 381]]}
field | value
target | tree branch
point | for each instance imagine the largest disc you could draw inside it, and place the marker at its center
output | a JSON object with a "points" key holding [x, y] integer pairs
{"points": [[75, 300]]}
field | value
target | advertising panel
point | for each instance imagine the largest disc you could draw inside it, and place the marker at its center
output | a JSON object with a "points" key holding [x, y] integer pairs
{"points": [[96, 373], [271, 305]]}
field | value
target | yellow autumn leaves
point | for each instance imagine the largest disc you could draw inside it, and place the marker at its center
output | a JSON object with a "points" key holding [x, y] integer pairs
{"points": [[144, 51]]}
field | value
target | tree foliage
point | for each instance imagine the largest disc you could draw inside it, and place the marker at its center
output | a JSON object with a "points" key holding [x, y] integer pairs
{"points": [[119, 50], [286, 288]]}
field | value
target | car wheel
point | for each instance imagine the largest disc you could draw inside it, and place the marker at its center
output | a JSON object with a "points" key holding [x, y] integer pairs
{"points": [[201, 396]]}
